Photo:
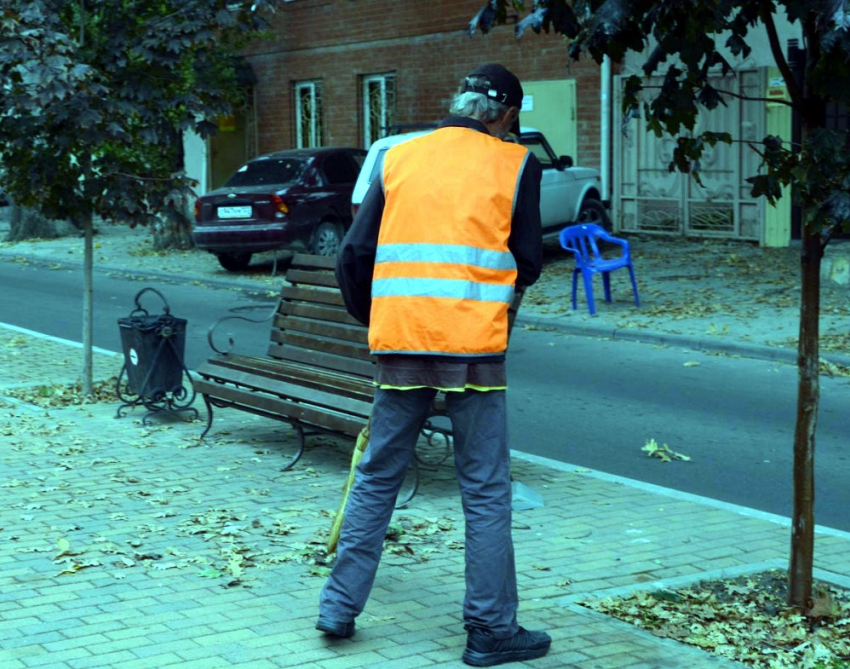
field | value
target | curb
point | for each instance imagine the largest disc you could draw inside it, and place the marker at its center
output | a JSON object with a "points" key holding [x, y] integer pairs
{"points": [[654, 337], [39, 261]]}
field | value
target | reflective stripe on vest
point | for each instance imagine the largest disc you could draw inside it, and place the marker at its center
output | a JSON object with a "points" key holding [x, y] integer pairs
{"points": [[443, 276], [468, 255], [461, 290]]}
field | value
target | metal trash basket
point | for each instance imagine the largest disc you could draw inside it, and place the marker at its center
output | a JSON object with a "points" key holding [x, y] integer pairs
{"points": [[153, 351]]}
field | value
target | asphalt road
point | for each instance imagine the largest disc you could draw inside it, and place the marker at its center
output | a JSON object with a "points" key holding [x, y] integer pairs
{"points": [[595, 403], [581, 400], [50, 301]]}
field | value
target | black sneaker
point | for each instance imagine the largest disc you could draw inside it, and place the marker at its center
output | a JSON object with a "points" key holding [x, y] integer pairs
{"points": [[483, 650], [338, 628]]}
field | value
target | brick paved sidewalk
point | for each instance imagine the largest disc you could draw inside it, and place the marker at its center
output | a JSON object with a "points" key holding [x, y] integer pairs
{"points": [[131, 546]]}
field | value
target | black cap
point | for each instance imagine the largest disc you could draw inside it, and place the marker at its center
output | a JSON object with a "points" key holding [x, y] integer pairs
{"points": [[502, 86]]}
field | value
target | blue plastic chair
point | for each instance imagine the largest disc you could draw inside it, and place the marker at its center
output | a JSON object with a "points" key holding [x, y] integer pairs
{"points": [[582, 240]]}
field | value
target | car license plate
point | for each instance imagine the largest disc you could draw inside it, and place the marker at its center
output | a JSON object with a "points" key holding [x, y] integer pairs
{"points": [[243, 211]]}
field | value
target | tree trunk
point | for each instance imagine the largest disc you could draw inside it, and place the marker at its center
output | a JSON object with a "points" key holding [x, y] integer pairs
{"points": [[88, 259], [808, 397], [27, 224], [174, 228], [88, 302]]}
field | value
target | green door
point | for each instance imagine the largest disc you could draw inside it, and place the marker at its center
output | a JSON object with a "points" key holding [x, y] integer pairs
{"points": [[227, 149], [550, 107]]}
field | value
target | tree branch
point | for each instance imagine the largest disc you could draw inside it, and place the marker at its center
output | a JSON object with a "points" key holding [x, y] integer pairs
{"points": [[739, 96], [827, 235], [137, 176], [748, 98], [781, 62]]}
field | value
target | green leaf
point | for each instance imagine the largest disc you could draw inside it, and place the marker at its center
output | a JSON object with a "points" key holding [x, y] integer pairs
{"points": [[119, 96]]}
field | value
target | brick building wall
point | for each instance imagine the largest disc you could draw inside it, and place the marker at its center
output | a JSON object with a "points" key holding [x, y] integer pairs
{"points": [[424, 44]]}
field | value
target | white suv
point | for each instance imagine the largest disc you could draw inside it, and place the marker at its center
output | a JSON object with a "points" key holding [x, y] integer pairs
{"points": [[567, 194]]}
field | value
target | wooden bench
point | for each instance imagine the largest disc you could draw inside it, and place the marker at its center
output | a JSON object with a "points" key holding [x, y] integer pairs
{"points": [[317, 374]]}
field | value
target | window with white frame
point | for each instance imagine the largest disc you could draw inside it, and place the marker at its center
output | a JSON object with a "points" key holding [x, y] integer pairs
{"points": [[378, 106], [308, 114]]}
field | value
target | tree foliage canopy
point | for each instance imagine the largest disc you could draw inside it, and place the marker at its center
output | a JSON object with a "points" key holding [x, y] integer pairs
{"points": [[687, 43], [95, 95]]}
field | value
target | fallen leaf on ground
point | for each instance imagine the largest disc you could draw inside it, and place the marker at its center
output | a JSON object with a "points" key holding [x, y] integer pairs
{"points": [[663, 452], [64, 547], [746, 619]]}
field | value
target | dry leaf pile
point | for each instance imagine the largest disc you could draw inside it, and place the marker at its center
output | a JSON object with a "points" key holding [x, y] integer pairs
{"points": [[832, 369], [835, 342], [746, 619], [238, 542], [51, 396], [160, 524]]}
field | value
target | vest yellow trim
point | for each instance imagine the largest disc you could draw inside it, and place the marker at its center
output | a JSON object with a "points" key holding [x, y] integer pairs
{"points": [[468, 386]]}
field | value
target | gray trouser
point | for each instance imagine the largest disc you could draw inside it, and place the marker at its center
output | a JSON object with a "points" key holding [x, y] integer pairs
{"points": [[482, 463]]}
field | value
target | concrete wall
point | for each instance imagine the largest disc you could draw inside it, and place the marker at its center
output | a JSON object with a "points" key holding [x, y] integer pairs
{"points": [[195, 151]]}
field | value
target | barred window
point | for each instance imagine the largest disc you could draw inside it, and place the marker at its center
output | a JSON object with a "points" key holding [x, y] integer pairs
{"points": [[308, 114], [378, 106]]}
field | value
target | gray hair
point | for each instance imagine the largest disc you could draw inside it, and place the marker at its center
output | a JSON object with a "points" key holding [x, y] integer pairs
{"points": [[476, 105]]}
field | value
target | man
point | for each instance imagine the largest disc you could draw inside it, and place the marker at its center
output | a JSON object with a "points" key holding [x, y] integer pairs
{"points": [[431, 264]]}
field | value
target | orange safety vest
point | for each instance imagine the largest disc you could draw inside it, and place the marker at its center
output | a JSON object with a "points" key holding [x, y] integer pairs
{"points": [[444, 276]]}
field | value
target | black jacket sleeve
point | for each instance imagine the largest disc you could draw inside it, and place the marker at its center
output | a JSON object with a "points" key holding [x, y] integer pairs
{"points": [[526, 239], [355, 261]]}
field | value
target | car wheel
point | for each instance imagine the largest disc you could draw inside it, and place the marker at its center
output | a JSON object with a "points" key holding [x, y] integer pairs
{"points": [[326, 239], [234, 262], [593, 211]]}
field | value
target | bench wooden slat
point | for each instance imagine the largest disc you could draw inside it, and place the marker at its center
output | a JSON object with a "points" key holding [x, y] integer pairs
{"points": [[274, 406], [302, 276], [363, 368], [342, 349], [300, 294], [309, 261], [324, 329], [276, 386], [357, 387], [282, 371], [313, 311]]}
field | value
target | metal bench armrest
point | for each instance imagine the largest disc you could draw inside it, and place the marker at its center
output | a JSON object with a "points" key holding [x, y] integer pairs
{"points": [[230, 341]]}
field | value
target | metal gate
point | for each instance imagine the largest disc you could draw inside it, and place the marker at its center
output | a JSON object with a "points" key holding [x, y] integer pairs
{"points": [[649, 198]]}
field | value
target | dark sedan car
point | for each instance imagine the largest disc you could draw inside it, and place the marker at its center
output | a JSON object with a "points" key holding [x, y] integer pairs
{"points": [[299, 200]]}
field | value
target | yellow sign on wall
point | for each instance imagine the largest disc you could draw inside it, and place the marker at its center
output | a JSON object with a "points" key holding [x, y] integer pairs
{"points": [[777, 89], [227, 123]]}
